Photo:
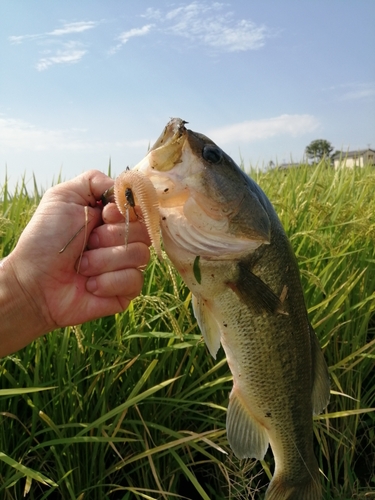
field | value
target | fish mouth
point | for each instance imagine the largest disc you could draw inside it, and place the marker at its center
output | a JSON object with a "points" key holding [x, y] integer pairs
{"points": [[167, 150], [158, 165]]}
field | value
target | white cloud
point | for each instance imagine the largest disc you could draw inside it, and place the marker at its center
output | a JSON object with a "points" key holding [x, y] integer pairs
{"points": [[20, 135], [203, 23], [191, 11], [126, 35], [210, 25], [77, 27], [66, 29], [255, 130], [244, 36], [21, 38], [152, 13], [70, 52], [352, 91], [358, 91], [68, 56]]}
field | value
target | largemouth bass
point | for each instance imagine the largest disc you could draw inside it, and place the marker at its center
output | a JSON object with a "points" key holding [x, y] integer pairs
{"points": [[222, 234]]}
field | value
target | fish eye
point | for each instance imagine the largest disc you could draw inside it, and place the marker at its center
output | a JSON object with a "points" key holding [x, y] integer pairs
{"points": [[213, 154]]}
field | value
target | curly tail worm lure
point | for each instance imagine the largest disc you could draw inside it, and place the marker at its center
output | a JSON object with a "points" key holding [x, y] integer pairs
{"points": [[134, 188]]}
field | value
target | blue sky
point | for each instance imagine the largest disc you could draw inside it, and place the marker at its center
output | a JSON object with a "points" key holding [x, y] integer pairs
{"points": [[86, 81]]}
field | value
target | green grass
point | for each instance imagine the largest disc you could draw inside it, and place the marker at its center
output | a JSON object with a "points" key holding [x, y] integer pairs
{"points": [[133, 406]]}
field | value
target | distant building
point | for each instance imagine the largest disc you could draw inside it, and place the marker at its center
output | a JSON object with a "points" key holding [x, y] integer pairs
{"points": [[352, 159]]}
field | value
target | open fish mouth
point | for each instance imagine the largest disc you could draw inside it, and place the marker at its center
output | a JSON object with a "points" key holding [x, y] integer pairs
{"points": [[167, 150]]}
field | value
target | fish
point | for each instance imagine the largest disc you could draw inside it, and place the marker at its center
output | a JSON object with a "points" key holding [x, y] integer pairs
{"points": [[225, 239]]}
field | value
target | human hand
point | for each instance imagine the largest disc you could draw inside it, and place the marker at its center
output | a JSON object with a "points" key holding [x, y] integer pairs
{"points": [[45, 283]]}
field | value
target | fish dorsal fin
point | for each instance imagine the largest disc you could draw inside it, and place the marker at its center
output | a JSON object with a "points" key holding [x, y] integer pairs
{"points": [[320, 376], [208, 325], [246, 436]]}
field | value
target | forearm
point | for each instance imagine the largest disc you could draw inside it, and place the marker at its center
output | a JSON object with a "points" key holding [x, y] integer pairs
{"points": [[20, 320]]}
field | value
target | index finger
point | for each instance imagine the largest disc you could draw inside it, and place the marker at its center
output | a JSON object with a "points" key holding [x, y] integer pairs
{"points": [[86, 189]]}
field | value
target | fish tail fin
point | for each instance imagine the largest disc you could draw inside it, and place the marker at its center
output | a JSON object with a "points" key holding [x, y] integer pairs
{"points": [[283, 489]]}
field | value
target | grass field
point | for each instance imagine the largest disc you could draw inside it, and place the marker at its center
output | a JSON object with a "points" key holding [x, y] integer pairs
{"points": [[133, 406]]}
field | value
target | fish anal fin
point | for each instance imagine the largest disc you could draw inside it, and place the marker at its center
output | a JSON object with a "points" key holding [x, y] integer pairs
{"points": [[321, 383], [254, 292], [208, 325], [247, 437]]}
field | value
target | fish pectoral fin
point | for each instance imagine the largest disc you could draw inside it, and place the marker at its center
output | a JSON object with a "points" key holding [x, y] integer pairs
{"points": [[208, 325], [320, 377], [247, 437], [254, 292]]}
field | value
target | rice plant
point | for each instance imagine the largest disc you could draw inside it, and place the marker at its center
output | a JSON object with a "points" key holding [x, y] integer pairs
{"points": [[133, 407]]}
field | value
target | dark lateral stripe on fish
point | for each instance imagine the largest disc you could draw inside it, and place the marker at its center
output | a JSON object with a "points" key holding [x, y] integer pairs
{"points": [[254, 292]]}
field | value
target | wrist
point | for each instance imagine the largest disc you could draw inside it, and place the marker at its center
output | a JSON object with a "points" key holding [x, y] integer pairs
{"points": [[22, 319]]}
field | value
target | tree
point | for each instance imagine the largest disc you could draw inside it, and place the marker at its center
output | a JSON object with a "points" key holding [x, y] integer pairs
{"points": [[319, 149]]}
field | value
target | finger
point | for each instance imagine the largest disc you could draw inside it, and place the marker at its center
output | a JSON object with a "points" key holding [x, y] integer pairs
{"points": [[111, 214], [115, 258], [110, 235], [126, 283], [86, 189]]}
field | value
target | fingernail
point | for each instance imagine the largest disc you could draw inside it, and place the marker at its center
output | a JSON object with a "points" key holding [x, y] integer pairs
{"points": [[91, 285]]}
